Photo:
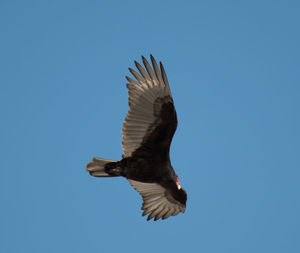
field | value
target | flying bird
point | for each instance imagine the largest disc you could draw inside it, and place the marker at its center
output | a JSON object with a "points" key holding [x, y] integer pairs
{"points": [[147, 132]]}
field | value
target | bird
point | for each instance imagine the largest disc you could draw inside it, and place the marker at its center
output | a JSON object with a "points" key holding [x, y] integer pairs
{"points": [[147, 133]]}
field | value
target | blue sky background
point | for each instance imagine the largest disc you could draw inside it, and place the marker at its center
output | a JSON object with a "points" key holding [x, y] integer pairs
{"points": [[234, 72]]}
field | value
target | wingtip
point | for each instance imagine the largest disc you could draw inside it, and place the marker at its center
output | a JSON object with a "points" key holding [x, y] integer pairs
{"points": [[138, 65], [152, 58], [146, 64], [161, 66], [156, 218], [149, 218]]}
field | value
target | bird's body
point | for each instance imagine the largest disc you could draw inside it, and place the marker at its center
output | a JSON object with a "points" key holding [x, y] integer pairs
{"points": [[147, 131]]}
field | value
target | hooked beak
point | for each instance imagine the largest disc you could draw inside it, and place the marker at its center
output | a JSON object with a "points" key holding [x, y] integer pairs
{"points": [[177, 182]]}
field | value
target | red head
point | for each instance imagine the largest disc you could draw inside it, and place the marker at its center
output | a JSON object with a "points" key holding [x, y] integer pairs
{"points": [[177, 182]]}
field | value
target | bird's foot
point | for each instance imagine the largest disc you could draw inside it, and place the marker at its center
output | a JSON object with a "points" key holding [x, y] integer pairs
{"points": [[113, 169]]}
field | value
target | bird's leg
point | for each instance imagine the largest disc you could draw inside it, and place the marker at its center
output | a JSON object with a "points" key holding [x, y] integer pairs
{"points": [[113, 169]]}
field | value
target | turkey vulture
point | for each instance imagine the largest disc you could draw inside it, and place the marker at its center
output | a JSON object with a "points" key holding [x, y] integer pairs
{"points": [[147, 132]]}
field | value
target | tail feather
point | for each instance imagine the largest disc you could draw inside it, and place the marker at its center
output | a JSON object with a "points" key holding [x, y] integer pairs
{"points": [[97, 167]]}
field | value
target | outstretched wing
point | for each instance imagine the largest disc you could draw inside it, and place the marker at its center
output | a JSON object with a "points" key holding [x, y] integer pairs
{"points": [[159, 201], [151, 120]]}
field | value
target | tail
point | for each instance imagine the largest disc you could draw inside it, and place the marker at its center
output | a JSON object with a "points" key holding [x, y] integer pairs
{"points": [[96, 167]]}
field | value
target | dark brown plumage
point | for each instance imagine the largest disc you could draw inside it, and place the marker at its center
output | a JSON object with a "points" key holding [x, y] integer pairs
{"points": [[147, 131]]}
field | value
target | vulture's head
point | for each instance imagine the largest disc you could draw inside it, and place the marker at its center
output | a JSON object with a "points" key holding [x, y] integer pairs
{"points": [[177, 182]]}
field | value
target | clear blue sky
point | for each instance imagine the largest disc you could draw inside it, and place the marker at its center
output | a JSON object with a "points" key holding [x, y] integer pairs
{"points": [[234, 70]]}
